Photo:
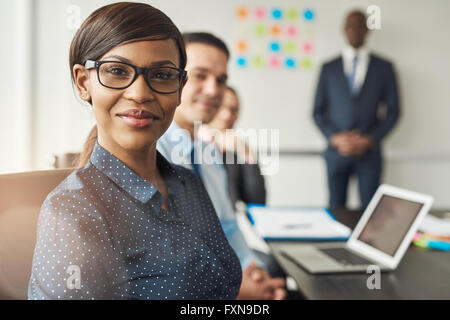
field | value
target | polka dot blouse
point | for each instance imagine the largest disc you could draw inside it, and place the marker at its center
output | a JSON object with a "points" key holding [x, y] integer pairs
{"points": [[102, 234]]}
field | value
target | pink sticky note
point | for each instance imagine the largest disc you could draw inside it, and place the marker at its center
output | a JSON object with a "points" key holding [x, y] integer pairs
{"points": [[291, 31], [274, 62], [307, 47], [260, 13]]}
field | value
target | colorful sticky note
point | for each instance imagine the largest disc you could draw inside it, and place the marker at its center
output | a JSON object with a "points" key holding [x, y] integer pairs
{"points": [[306, 63], [242, 30], [290, 47], [290, 63], [307, 47], [275, 30], [291, 31], [259, 46], [274, 46], [258, 61], [292, 14], [308, 31], [308, 15], [264, 40], [277, 14], [274, 62], [260, 29], [241, 62], [260, 13], [242, 46], [242, 13]]}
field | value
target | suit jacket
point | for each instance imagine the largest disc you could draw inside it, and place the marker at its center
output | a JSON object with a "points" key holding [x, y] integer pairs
{"points": [[336, 110], [245, 182]]}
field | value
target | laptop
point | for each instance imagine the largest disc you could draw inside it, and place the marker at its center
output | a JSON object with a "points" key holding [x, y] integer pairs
{"points": [[380, 238]]}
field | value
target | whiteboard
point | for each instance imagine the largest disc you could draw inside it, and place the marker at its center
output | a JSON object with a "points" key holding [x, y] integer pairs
{"points": [[412, 36]]}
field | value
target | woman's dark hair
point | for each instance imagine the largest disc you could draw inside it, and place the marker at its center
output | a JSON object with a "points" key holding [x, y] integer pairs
{"points": [[206, 38], [88, 147], [111, 25]]}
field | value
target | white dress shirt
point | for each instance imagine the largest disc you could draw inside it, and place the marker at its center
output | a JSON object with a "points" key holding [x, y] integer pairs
{"points": [[348, 54]]}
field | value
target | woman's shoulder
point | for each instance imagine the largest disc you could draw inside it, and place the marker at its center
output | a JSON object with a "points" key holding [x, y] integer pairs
{"points": [[71, 195]]}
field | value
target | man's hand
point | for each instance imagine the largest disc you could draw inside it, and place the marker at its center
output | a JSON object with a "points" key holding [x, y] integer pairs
{"points": [[361, 143], [351, 143], [258, 285], [342, 141]]}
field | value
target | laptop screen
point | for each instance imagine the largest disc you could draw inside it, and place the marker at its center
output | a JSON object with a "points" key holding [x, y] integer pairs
{"points": [[389, 223]]}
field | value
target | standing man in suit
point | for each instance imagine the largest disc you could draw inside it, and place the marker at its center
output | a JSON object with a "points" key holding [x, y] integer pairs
{"points": [[356, 105]]}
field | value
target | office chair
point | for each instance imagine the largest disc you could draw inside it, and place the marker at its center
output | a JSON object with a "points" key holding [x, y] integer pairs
{"points": [[21, 197]]}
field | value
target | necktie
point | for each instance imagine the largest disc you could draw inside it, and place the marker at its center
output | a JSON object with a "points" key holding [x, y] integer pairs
{"points": [[195, 165], [351, 76]]}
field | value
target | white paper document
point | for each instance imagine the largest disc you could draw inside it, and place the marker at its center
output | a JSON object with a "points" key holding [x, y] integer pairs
{"points": [[274, 223], [435, 225]]}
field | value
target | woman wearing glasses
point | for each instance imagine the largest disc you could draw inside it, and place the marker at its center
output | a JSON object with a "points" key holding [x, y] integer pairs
{"points": [[129, 225]]}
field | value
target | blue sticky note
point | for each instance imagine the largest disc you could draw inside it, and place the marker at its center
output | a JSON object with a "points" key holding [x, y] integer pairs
{"points": [[241, 62], [277, 14], [308, 14], [274, 46], [290, 63]]}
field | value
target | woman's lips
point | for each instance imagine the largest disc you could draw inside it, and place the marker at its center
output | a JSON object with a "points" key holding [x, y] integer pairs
{"points": [[137, 123], [137, 118]]}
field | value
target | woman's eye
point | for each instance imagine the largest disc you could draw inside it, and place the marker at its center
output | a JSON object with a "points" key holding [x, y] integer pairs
{"points": [[117, 71], [163, 75]]}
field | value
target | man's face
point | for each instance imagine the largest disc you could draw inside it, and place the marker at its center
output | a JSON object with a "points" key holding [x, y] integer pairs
{"points": [[355, 30], [206, 84]]}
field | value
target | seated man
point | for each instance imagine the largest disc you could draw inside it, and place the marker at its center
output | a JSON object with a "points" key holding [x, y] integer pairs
{"points": [[201, 97]]}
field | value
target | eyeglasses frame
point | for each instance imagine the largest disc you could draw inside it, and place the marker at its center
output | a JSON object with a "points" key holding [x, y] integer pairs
{"points": [[90, 64]]}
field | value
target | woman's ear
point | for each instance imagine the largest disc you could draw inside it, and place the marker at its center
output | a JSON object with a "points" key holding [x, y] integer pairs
{"points": [[82, 82]]}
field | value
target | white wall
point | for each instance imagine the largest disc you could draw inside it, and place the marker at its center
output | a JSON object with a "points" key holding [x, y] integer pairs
{"points": [[15, 85], [44, 117]]}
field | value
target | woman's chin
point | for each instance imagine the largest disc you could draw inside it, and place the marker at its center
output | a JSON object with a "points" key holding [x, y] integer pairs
{"points": [[138, 142]]}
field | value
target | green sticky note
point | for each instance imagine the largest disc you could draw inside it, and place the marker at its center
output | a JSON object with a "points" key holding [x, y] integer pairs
{"points": [[306, 63], [260, 29], [290, 47], [292, 14], [258, 62]]}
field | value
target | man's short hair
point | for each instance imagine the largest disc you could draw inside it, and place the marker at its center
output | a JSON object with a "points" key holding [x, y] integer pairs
{"points": [[206, 38]]}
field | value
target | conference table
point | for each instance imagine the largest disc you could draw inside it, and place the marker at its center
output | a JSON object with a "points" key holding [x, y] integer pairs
{"points": [[422, 273]]}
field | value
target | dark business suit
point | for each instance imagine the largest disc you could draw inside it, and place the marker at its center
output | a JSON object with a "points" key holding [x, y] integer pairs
{"points": [[336, 110]]}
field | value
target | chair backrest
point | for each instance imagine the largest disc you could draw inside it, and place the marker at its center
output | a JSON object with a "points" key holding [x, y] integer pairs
{"points": [[21, 197]]}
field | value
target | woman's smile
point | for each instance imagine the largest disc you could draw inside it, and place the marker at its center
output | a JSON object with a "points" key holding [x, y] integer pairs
{"points": [[138, 118]]}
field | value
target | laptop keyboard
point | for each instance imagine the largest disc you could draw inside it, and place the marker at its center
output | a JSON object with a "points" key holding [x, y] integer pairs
{"points": [[345, 256]]}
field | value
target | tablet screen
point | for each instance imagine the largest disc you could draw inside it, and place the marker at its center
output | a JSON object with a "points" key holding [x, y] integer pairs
{"points": [[389, 223]]}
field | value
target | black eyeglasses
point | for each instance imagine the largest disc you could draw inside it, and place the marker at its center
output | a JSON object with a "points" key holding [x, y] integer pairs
{"points": [[120, 75]]}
